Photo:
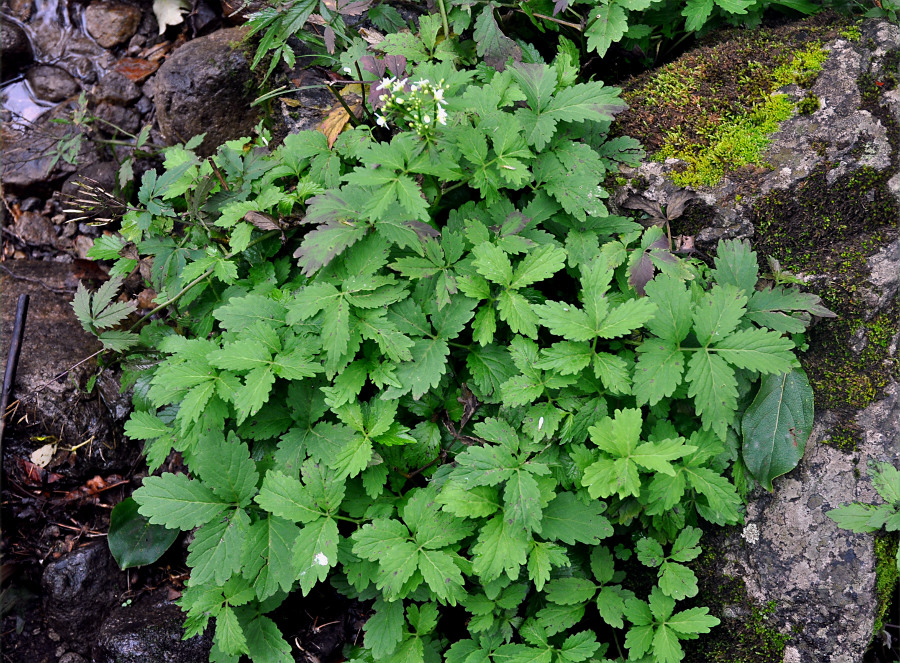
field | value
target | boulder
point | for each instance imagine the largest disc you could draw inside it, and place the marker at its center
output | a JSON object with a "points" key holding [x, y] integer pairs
{"points": [[115, 88], [824, 202], [78, 589], [110, 23], [206, 86], [14, 47], [151, 629]]}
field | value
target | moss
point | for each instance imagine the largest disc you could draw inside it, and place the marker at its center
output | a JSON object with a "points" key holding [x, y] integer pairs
{"points": [[809, 104], [746, 633], [737, 142], [844, 438], [714, 107], [852, 33], [886, 574]]}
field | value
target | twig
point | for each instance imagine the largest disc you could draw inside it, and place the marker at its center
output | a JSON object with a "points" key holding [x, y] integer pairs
{"points": [[350, 116], [12, 360], [66, 372], [19, 277], [576, 26]]}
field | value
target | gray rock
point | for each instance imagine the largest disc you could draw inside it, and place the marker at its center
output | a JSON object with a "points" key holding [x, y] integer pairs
{"points": [[149, 630], [21, 9], [78, 589], [72, 657], [111, 23], [102, 172], [52, 83], [115, 88], [203, 88], [127, 119]]}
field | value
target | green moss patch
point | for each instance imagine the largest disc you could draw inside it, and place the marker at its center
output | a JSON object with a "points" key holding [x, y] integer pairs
{"points": [[713, 108], [886, 574]]}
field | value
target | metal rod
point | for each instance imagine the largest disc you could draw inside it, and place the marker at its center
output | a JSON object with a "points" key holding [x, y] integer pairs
{"points": [[12, 359]]}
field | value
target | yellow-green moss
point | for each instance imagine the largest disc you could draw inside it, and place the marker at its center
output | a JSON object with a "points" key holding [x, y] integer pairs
{"points": [[886, 574], [737, 142], [809, 104], [852, 33]]}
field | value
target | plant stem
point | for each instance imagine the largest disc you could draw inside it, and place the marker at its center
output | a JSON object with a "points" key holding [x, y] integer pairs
{"points": [[197, 280], [576, 26], [350, 115], [444, 22]]}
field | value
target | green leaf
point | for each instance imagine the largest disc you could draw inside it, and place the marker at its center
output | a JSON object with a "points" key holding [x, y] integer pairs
{"points": [[215, 552], [569, 591], [442, 575], [677, 581], [610, 23], [177, 502], [777, 425], [490, 42], [886, 479], [492, 263], [693, 620], [229, 636], [469, 501], [267, 558], [384, 629], [490, 366], [736, 265], [145, 426], [500, 548], [542, 558], [538, 265], [672, 319], [658, 371], [227, 469], [696, 12], [758, 350], [265, 644], [855, 517], [626, 317], [133, 540], [569, 520], [315, 552], [286, 497], [718, 313], [424, 372], [714, 390]]}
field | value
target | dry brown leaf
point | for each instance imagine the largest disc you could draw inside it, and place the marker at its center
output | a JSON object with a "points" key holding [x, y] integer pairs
{"points": [[293, 103], [372, 37], [336, 121]]}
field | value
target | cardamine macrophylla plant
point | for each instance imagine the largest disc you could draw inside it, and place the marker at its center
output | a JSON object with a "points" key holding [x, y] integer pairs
{"points": [[433, 370]]}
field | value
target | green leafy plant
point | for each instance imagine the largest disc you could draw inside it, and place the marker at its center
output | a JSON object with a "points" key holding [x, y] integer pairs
{"points": [[863, 518], [431, 368], [132, 540]]}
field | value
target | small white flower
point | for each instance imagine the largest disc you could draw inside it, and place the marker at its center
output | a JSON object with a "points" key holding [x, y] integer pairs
{"points": [[438, 94], [381, 120], [540, 423], [385, 83], [426, 119], [399, 100], [348, 70], [320, 559], [441, 116]]}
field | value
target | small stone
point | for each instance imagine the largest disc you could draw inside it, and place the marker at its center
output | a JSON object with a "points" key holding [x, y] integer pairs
{"points": [[83, 244], [111, 24], [115, 88], [71, 657], [126, 119], [35, 229], [52, 83], [54, 636]]}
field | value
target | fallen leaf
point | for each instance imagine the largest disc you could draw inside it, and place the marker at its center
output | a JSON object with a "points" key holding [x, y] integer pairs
{"points": [[293, 103], [146, 298], [372, 37], [43, 455], [335, 122], [136, 69]]}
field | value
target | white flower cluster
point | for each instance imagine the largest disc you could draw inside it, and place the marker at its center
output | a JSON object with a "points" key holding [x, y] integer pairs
{"points": [[419, 105]]}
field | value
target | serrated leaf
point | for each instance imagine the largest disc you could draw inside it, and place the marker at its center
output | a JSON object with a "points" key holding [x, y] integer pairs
{"points": [[384, 629], [855, 517], [758, 350], [718, 313], [677, 581], [626, 317], [569, 520], [286, 497], [777, 425], [469, 501], [215, 552], [145, 426], [569, 591], [500, 548], [672, 319], [227, 469], [658, 372], [610, 23], [696, 13], [490, 42], [229, 636], [176, 501], [265, 644], [315, 552], [714, 390], [424, 372], [736, 265], [267, 560]]}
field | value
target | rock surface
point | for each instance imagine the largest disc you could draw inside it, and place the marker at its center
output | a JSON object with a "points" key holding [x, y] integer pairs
{"points": [[206, 86], [824, 207], [110, 23], [148, 630], [52, 83], [53, 343], [87, 575]]}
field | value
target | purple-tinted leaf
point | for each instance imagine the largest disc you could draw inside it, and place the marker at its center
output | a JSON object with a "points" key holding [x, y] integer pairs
{"points": [[677, 202], [353, 8], [329, 39], [423, 230], [641, 273], [560, 6], [651, 207]]}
